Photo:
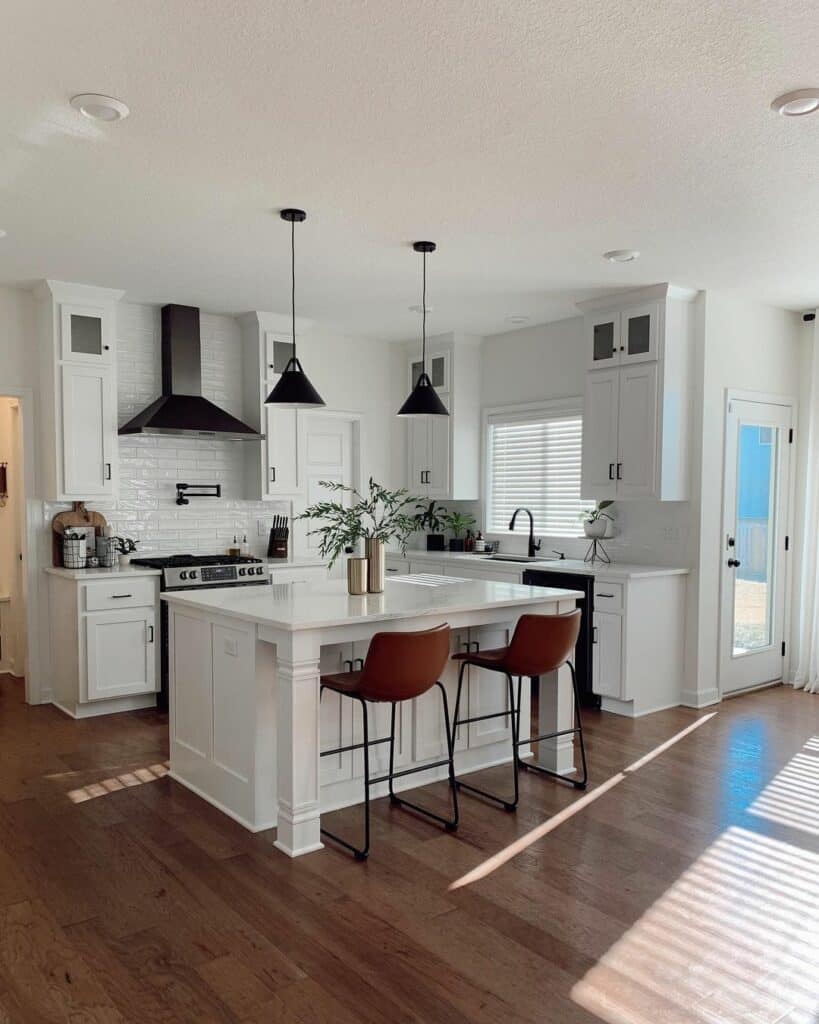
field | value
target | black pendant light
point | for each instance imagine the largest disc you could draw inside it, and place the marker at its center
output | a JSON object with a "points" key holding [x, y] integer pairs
{"points": [[423, 399], [293, 389]]}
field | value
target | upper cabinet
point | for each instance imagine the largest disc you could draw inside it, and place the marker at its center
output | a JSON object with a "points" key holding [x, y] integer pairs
{"points": [[636, 426], [623, 336], [78, 407], [443, 452], [273, 467]]}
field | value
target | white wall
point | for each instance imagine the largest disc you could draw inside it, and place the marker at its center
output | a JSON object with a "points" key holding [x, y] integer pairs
{"points": [[350, 375], [751, 347], [16, 338], [549, 361]]}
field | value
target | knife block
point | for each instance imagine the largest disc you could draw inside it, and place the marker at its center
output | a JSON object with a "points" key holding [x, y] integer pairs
{"points": [[277, 546]]}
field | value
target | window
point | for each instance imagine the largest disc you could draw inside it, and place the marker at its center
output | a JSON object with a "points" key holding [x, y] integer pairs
{"points": [[533, 458]]}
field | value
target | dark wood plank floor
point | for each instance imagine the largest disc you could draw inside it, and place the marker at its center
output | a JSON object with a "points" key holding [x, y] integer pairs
{"points": [[688, 892]]}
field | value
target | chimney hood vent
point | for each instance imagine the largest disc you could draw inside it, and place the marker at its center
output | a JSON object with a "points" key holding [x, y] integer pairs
{"points": [[182, 409]]}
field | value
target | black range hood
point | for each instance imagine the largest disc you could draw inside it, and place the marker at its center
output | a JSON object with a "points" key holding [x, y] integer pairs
{"points": [[182, 409]]}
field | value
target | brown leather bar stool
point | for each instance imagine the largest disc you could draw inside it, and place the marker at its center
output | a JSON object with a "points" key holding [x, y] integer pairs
{"points": [[398, 667], [540, 644]]}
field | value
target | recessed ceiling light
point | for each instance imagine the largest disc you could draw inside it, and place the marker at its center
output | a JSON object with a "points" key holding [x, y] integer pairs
{"points": [[797, 103], [517, 318], [418, 308], [2, 233], [621, 255], [99, 108]]}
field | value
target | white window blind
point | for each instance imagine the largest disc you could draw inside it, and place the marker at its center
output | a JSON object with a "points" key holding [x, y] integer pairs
{"points": [[534, 462]]}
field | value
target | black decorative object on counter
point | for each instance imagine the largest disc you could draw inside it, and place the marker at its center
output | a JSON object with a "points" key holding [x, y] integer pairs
{"points": [[423, 399], [293, 388]]}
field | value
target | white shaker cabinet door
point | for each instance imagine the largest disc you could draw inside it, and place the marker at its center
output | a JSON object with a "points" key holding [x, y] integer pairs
{"points": [[438, 464], [282, 447], [88, 431], [121, 652], [637, 432], [607, 654], [600, 412]]}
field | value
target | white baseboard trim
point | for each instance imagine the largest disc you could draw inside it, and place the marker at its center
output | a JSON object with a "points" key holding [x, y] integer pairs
{"points": [[700, 698], [115, 706], [220, 806]]}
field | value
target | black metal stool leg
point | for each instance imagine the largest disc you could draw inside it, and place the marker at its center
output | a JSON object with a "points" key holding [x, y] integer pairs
{"points": [[531, 766], [507, 805], [363, 852], [450, 824]]}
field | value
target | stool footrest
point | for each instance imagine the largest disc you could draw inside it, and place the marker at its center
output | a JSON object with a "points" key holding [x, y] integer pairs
{"points": [[482, 718], [530, 767], [548, 736], [409, 771], [353, 746]]}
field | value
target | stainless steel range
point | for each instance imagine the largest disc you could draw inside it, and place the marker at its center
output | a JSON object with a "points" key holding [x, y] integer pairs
{"points": [[189, 572]]}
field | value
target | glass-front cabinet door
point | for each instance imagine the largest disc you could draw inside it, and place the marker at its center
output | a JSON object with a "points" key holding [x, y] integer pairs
{"points": [[85, 335], [639, 331], [604, 341]]}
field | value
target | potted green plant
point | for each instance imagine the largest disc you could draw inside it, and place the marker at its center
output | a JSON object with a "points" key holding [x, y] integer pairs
{"points": [[430, 518], [126, 547], [596, 520], [376, 517], [458, 523]]}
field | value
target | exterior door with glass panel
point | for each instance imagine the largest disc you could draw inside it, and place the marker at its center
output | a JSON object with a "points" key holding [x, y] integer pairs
{"points": [[753, 543]]}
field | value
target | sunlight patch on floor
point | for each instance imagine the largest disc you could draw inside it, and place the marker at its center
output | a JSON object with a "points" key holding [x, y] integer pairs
{"points": [[792, 797], [519, 845], [735, 940], [127, 780]]}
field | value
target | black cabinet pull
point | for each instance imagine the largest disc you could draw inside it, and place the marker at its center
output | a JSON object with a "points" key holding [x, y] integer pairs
{"points": [[611, 471], [107, 470], [619, 470], [734, 563], [604, 595], [273, 477], [346, 662], [594, 634], [150, 634], [359, 661], [117, 597]]}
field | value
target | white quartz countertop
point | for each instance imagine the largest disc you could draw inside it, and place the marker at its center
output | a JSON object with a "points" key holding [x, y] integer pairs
{"points": [[298, 562], [571, 565], [101, 573], [298, 606]]}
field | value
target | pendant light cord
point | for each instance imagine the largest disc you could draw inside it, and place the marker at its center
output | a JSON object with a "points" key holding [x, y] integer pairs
{"points": [[424, 318], [293, 281]]}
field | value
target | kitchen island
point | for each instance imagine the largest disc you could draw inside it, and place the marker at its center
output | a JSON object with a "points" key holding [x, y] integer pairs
{"points": [[247, 723]]}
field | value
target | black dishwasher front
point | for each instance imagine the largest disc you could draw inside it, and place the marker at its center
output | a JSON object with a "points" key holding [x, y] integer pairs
{"points": [[583, 655]]}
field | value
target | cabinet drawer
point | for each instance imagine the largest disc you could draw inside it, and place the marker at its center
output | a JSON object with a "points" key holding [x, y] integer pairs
{"points": [[608, 597], [131, 592]]}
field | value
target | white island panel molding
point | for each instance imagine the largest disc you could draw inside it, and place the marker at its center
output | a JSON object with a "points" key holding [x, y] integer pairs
{"points": [[245, 670]]}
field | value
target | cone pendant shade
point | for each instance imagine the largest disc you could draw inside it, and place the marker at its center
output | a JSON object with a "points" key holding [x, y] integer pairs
{"points": [[293, 389], [423, 399]]}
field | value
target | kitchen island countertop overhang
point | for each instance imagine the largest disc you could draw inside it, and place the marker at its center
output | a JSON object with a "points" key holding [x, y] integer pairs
{"points": [[246, 717]]}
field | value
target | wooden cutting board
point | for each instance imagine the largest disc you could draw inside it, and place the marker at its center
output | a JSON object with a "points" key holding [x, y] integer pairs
{"points": [[78, 516]]}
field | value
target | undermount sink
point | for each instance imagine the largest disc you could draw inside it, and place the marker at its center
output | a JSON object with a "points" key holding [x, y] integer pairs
{"points": [[498, 557]]}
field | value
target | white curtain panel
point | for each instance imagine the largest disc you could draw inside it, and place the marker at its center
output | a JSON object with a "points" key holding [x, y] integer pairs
{"points": [[807, 671]]}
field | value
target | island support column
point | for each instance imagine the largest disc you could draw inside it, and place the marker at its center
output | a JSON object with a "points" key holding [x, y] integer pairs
{"points": [[297, 751]]}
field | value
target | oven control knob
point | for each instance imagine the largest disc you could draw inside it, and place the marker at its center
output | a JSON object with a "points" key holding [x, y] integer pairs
{"points": [[183, 575], [259, 571], [243, 572], [194, 574]]}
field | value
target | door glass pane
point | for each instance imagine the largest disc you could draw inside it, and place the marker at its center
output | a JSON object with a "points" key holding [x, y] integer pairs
{"points": [[638, 334], [416, 371], [604, 341], [438, 365], [86, 334], [756, 528]]}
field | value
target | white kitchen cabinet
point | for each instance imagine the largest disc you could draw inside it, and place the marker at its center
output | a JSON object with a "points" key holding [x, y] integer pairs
{"points": [[443, 452], [489, 691], [607, 655], [120, 649], [88, 429], [623, 336], [272, 467], [636, 418], [105, 649], [86, 334], [76, 359]]}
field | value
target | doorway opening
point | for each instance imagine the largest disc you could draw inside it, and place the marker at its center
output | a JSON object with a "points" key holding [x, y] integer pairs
{"points": [[755, 539], [13, 589]]}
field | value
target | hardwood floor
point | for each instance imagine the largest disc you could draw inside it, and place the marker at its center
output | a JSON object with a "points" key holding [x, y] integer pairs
{"points": [[689, 891]]}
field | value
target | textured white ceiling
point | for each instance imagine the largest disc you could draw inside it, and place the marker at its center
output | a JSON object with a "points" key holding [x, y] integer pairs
{"points": [[524, 137]]}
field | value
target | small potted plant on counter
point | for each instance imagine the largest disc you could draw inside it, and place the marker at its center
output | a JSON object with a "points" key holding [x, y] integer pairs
{"points": [[430, 518], [126, 547], [596, 520], [458, 523], [376, 518]]}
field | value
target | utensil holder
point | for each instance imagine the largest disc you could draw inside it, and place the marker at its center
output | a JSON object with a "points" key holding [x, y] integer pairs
{"points": [[74, 553], [107, 552]]}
